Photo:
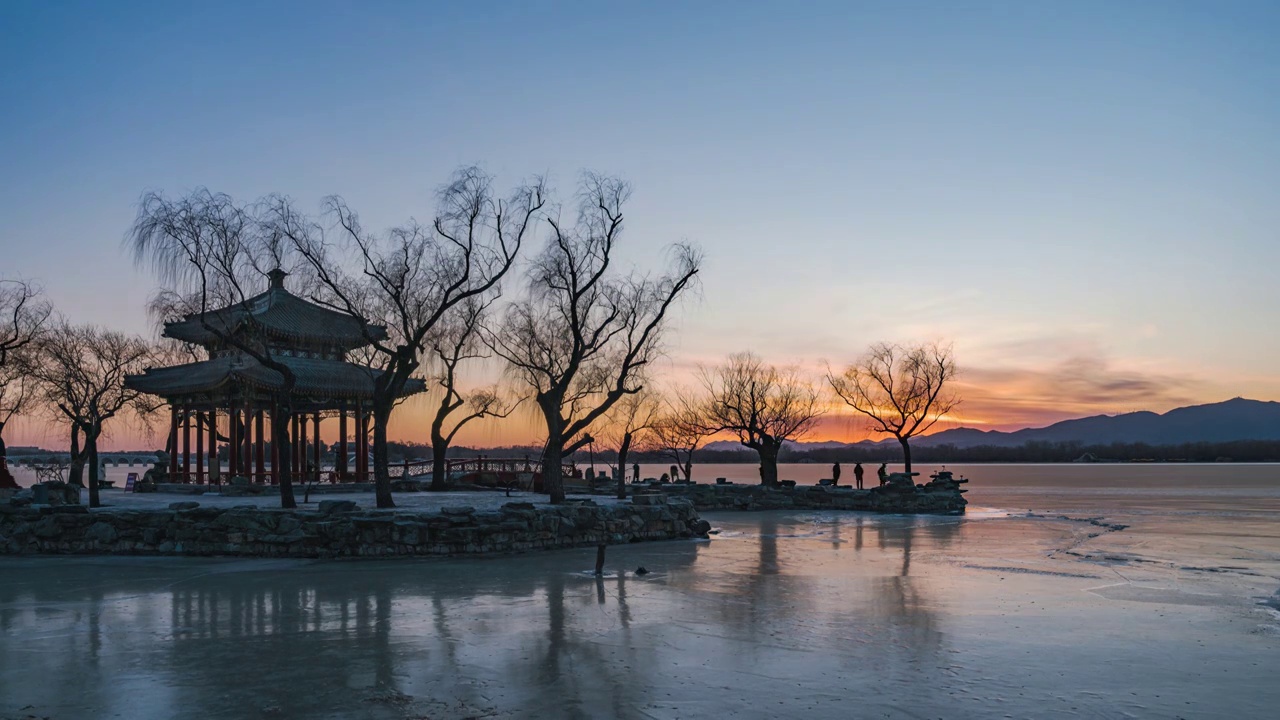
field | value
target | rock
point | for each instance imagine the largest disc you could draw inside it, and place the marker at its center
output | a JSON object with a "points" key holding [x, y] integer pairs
{"points": [[457, 510], [189, 505], [641, 570], [649, 498], [329, 507], [700, 527], [101, 532]]}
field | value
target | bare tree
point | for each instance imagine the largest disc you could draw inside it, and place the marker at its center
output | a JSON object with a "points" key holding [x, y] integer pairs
{"points": [[215, 256], [678, 432], [763, 405], [631, 417], [456, 341], [900, 389], [583, 336], [409, 278], [15, 397], [23, 317], [81, 372]]}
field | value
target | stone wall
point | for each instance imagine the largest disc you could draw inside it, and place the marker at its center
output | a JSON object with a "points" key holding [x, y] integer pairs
{"points": [[900, 500], [338, 529]]}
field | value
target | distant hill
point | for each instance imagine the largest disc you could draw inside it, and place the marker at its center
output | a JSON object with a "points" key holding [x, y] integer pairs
{"points": [[1236, 419]]}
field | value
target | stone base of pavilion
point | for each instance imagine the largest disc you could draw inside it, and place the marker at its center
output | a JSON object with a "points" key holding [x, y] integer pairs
{"points": [[426, 524]]}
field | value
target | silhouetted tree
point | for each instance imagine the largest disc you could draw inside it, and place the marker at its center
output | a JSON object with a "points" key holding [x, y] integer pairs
{"points": [[584, 334], [901, 389], [762, 405], [630, 418], [455, 341], [678, 432], [81, 372], [214, 256], [23, 316], [408, 279]]}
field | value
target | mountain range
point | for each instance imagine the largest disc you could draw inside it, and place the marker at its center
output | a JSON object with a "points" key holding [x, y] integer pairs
{"points": [[1236, 419]]}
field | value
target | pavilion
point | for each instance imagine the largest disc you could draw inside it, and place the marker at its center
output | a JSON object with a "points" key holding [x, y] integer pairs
{"points": [[234, 391]]}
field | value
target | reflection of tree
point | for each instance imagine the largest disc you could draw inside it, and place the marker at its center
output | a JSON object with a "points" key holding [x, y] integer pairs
{"points": [[527, 633]]}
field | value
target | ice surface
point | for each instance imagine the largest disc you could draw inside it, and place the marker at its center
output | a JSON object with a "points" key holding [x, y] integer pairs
{"points": [[1047, 613]]}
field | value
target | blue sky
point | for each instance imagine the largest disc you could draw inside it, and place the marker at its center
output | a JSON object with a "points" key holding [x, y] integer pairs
{"points": [[1083, 190]]}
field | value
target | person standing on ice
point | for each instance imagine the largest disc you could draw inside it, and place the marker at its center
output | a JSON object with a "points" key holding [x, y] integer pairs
{"points": [[835, 474], [857, 475]]}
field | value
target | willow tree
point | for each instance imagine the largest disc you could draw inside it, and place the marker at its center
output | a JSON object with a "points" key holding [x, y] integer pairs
{"points": [[677, 432], [23, 317], [631, 418], [80, 371], [583, 335], [408, 279], [761, 404], [900, 389], [456, 343], [214, 256]]}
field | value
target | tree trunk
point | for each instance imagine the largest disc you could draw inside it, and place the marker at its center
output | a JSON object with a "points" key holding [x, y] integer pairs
{"points": [[439, 448], [75, 476], [623, 449], [4, 453], [553, 453], [381, 466], [906, 453], [91, 450], [552, 458], [280, 434], [768, 464]]}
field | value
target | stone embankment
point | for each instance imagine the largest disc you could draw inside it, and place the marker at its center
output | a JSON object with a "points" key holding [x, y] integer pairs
{"points": [[339, 529], [899, 498]]}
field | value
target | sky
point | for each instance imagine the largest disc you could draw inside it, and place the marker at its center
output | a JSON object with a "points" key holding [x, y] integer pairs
{"points": [[1080, 196]]}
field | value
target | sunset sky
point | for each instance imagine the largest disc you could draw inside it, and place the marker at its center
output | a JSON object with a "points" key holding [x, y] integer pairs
{"points": [[1081, 196]]}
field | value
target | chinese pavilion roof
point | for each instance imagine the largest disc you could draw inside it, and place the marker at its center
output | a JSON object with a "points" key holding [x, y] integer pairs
{"points": [[280, 314], [314, 377]]}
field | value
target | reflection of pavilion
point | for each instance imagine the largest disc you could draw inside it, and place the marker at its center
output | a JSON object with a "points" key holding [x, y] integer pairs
{"points": [[312, 341]]}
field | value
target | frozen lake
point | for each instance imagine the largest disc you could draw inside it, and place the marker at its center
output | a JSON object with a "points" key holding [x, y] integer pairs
{"points": [[1035, 604]]}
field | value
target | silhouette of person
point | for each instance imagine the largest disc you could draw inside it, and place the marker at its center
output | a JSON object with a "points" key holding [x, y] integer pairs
{"points": [[835, 474], [883, 473], [857, 474], [664, 479], [635, 469]]}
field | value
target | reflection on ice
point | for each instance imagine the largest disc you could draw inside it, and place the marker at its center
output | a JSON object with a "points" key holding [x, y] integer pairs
{"points": [[813, 614]]}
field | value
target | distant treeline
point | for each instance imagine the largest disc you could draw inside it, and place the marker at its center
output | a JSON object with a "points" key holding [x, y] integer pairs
{"points": [[1047, 452]]}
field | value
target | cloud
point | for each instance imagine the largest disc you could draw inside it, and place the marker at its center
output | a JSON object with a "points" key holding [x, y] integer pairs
{"points": [[1074, 387]]}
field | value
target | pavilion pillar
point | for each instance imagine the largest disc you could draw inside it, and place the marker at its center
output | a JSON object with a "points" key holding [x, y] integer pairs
{"points": [[215, 467], [173, 440], [275, 446], [259, 457], [233, 444], [186, 444], [199, 448], [340, 461], [315, 452], [297, 449], [362, 444], [302, 448], [248, 439]]}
